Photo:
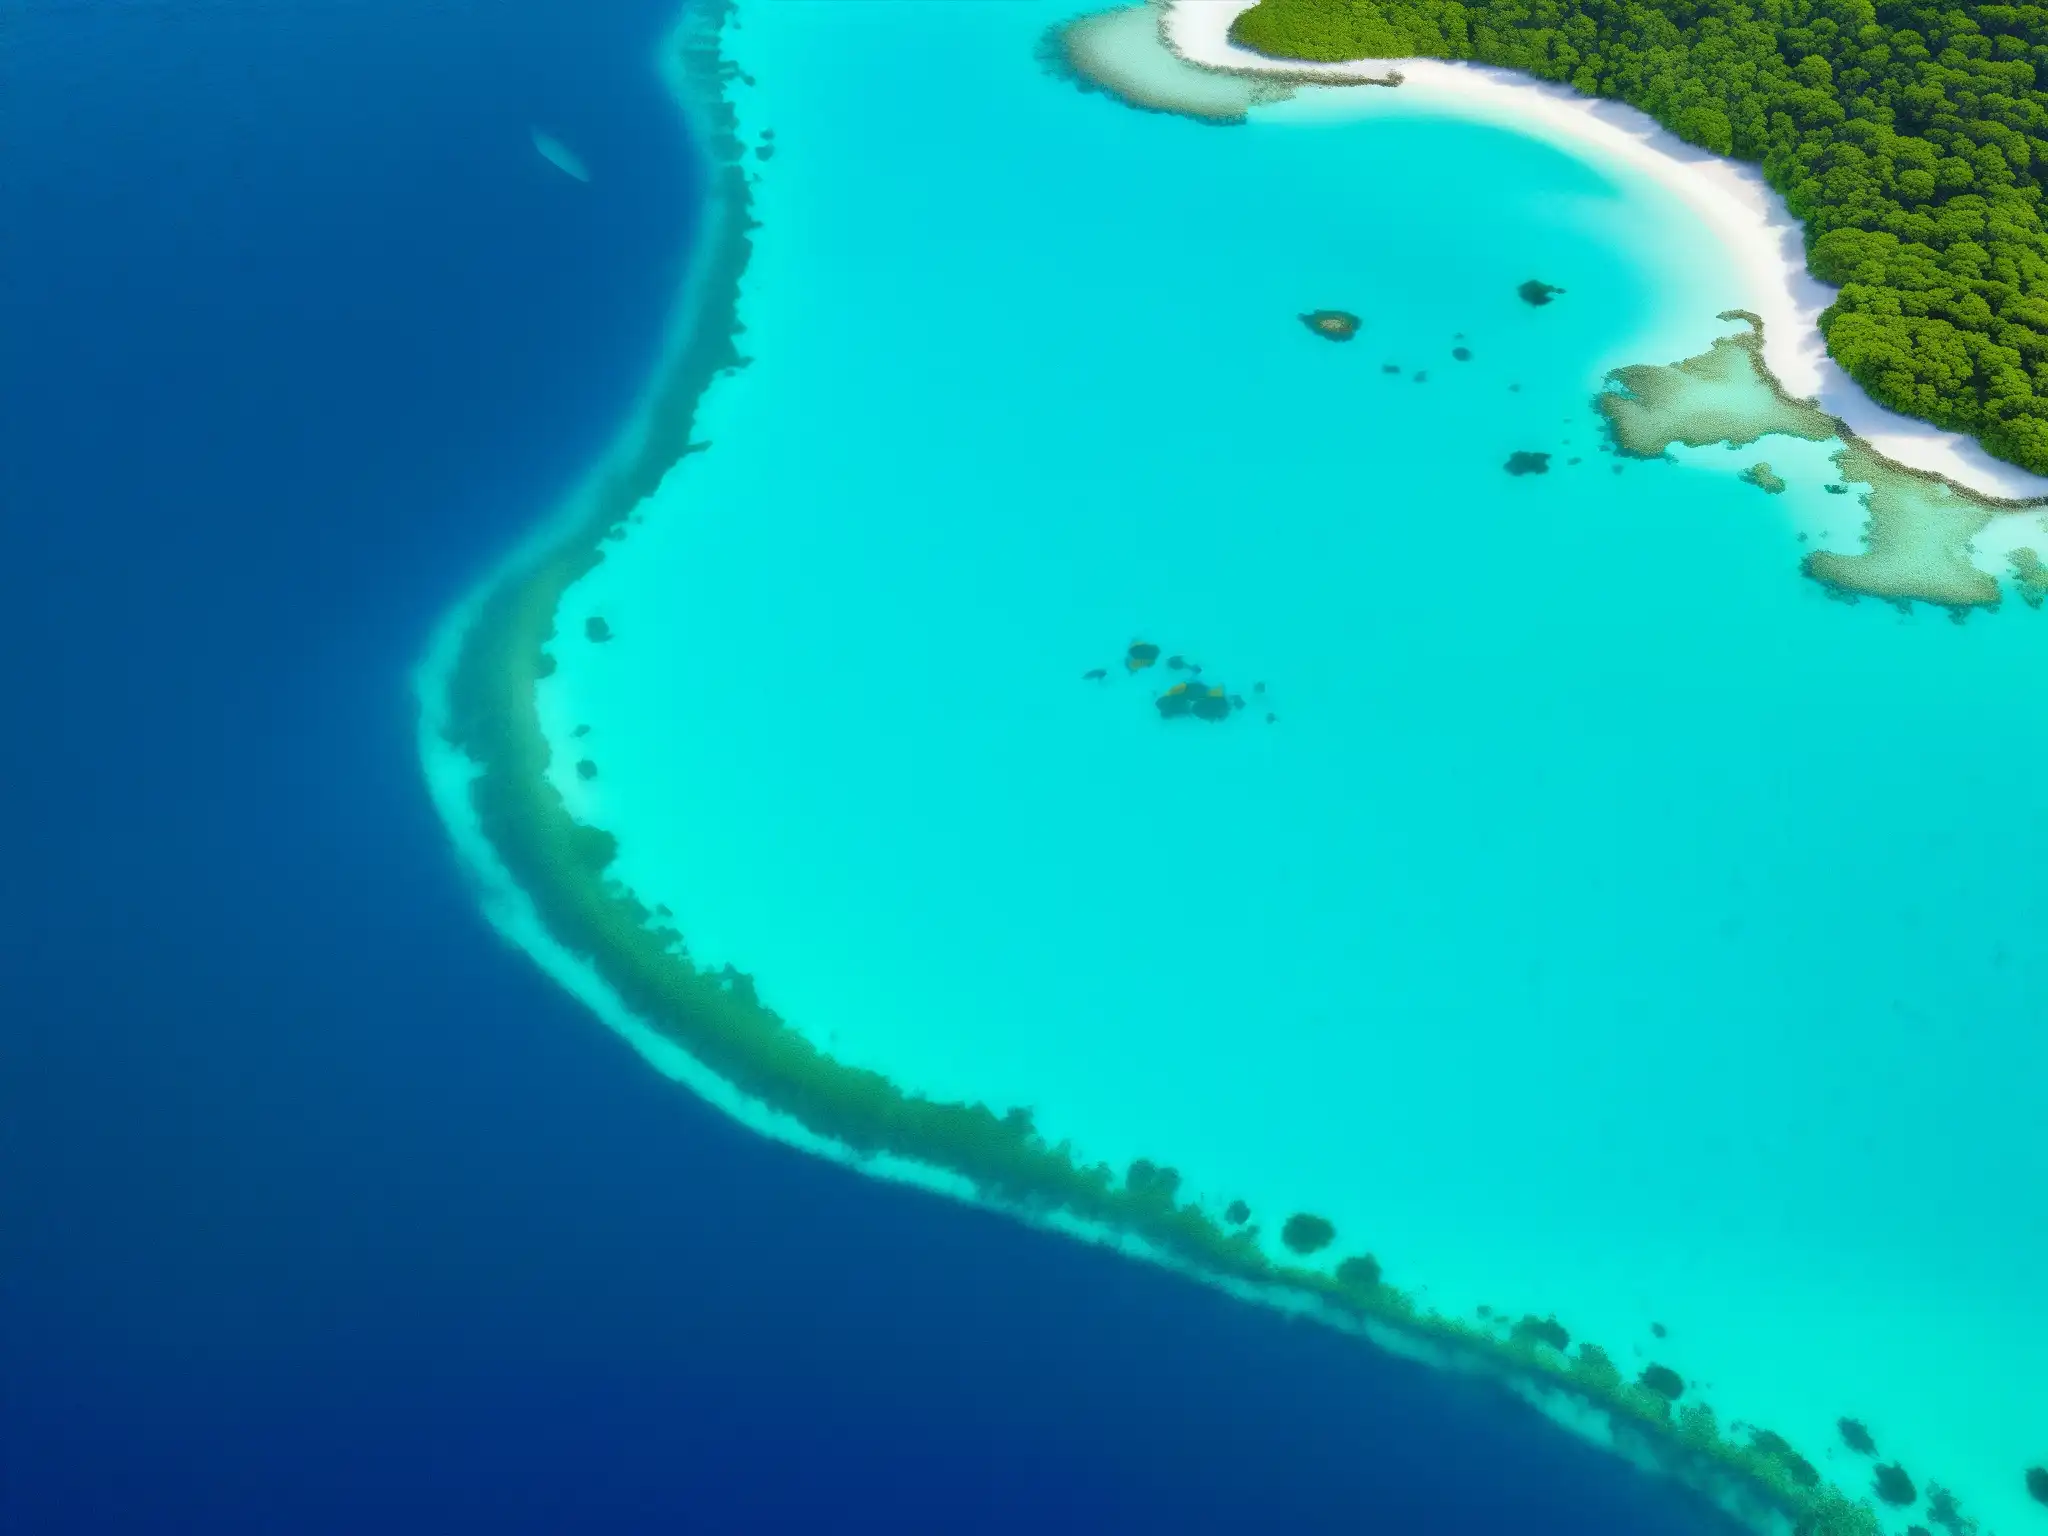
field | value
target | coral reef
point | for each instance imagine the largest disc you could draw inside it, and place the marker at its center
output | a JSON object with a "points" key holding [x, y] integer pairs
{"points": [[1305, 1233]]}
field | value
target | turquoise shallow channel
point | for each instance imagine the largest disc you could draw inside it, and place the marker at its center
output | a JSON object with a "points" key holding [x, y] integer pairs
{"points": [[1608, 925]]}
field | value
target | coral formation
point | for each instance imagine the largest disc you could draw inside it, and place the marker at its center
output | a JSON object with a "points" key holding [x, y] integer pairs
{"points": [[1543, 1330], [1663, 1381], [1361, 1272], [1893, 1486], [1332, 324], [1306, 1234]]}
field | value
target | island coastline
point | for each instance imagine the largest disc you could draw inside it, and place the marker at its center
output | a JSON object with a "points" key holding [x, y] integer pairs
{"points": [[711, 1032], [1764, 242]]}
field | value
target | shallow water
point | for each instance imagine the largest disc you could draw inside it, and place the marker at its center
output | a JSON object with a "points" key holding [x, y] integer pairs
{"points": [[1608, 922]]}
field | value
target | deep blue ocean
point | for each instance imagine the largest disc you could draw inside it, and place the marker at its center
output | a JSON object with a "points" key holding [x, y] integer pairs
{"points": [[320, 1207]]}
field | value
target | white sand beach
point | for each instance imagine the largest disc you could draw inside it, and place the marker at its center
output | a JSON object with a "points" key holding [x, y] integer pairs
{"points": [[1765, 246]]}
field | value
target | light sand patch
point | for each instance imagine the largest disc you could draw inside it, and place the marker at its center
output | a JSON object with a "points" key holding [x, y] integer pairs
{"points": [[559, 155], [1124, 53]]}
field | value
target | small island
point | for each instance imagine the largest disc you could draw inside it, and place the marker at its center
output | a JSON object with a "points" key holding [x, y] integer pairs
{"points": [[1764, 478], [1332, 324]]}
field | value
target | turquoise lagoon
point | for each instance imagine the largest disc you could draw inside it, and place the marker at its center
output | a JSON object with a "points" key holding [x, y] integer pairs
{"points": [[1609, 924]]}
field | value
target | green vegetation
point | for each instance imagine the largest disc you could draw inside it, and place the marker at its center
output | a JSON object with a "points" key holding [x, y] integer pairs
{"points": [[1307, 1234], [1911, 138], [1764, 478]]}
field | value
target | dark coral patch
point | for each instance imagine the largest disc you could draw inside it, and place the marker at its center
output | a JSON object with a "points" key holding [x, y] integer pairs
{"points": [[1361, 1272], [1305, 1233], [1462, 354], [2037, 1483], [1663, 1381], [1148, 1181], [595, 628], [1141, 655], [1856, 1437], [1542, 1330], [1538, 293], [1237, 1213], [1527, 464], [1894, 1487], [586, 769]]}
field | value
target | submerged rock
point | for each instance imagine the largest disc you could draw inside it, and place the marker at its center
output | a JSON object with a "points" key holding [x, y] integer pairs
{"points": [[1140, 656], [1528, 464], [1237, 1213], [1332, 324], [1306, 1233], [1543, 1330], [2037, 1483], [1361, 1272], [1856, 1437], [1893, 1486], [595, 628], [1663, 1381], [1462, 354], [1764, 478], [1192, 699], [1538, 293]]}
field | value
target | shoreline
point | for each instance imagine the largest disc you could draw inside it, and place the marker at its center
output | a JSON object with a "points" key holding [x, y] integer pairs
{"points": [[545, 882], [1765, 243]]}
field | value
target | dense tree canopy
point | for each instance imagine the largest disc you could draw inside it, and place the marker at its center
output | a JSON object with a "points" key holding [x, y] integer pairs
{"points": [[1911, 138]]}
